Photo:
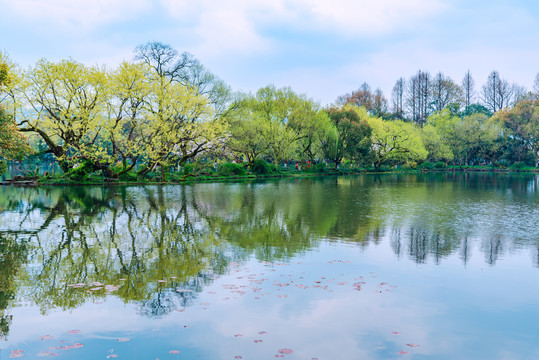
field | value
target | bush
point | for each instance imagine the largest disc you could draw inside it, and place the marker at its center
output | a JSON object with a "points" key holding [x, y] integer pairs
{"points": [[519, 166], [229, 169], [260, 167], [80, 171], [320, 167], [187, 168], [128, 177], [3, 167], [439, 165]]}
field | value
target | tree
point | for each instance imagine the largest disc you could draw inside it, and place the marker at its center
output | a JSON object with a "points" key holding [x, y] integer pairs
{"points": [[349, 137], [286, 125], [497, 92], [13, 144], [445, 92], [374, 102], [397, 97], [396, 142], [63, 103], [523, 123], [475, 136], [437, 147], [468, 85], [187, 70], [185, 109], [379, 106], [536, 85], [418, 97]]}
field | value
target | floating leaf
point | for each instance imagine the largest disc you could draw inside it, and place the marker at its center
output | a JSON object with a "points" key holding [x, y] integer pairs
{"points": [[403, 352], [124, 339], [73, 332], [46, 337], [412, 345], [174, 352], [285, 351]]}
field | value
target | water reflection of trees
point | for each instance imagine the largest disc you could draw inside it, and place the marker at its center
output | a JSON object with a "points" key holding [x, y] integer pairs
{"points": [[186, 235]]}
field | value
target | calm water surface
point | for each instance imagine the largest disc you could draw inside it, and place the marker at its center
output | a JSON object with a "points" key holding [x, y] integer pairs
{"points": [[368, 267]]}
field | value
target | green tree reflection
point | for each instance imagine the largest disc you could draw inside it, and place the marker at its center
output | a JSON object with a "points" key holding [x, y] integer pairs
{"points": [[146, 242]]}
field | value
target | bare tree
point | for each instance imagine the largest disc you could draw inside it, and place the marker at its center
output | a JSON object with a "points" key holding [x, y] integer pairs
{"points": [[187, 70], [360, 97], [397, 96], [419, 96], [468, 85], [497, 93], [379, 103], [445, 92], [536, 86]]}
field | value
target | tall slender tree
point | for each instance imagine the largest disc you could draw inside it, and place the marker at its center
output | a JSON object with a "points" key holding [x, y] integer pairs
{"points": [[468, 85], [397, 97], [497, 92]]}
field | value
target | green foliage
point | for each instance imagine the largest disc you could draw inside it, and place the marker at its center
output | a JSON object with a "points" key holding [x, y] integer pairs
{"points": [[187, 168], [80, 171], [320, 167], [349, 137], [261, 167], [519, 166], [396, 142], [3, 166], [229, 169], [128, 177]]}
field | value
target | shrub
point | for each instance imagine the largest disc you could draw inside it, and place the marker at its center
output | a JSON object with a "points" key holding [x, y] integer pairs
{"points": [[439, 165], [128, 177], [187, 168], [80, 171], [261, 167], [519, 166], [3, 167], [320, 167], [229, 169]]}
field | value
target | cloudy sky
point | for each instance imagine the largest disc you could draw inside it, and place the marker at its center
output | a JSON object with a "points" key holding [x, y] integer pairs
{"points": [[322, 48]]}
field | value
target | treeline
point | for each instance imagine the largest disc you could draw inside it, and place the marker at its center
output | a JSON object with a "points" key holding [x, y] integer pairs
{"points": [[164, 109]]}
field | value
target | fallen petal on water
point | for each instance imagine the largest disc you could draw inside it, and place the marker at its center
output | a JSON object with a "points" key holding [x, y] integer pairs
{"points": [[285, 351]]}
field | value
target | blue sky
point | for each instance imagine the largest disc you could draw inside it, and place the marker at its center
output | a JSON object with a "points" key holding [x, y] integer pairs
{"points": [[322, 48]]}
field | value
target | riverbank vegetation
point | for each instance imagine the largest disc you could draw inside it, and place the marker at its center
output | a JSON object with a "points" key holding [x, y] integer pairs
{"points": [[164, 117]]}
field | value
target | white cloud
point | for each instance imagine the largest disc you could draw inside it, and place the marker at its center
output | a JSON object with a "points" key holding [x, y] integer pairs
{"points": [[75, 13], [361, 17], [237, 25]]}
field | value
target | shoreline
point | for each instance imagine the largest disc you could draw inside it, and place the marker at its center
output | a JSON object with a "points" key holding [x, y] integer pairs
{"points": [[34, 182]]}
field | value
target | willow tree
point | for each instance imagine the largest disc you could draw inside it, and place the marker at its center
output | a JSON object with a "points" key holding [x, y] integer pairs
{"points": [[349, 136], [13, 144], [275, 122], [183, 111], [396, 142], [63, 103]]}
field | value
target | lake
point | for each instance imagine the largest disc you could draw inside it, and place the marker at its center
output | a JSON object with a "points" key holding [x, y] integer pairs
{"points": [[428, 266]]}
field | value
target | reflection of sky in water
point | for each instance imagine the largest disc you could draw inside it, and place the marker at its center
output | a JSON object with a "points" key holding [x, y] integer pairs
{"points": [[448, 310], [449, 263]]}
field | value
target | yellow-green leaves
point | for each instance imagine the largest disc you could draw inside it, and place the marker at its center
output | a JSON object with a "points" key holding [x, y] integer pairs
{"points": [[396, 142]]}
